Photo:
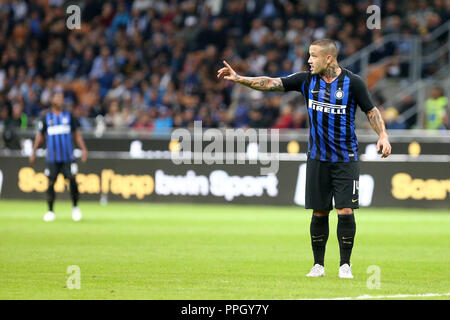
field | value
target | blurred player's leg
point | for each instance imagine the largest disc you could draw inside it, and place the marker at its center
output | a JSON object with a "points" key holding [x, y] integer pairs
{"points": [[51, 172], [70, 170], [76, 212], [74, 192], [50, 215]]}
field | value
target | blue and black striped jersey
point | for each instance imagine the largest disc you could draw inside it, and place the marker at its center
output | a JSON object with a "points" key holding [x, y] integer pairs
{"points": [[331, 110], [58, 129]]}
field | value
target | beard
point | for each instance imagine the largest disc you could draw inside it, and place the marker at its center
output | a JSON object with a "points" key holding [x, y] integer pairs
{"points": [[57, 106], [317, 70]]}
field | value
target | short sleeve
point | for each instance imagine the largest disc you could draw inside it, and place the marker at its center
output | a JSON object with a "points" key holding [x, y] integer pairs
{"points": [[74, 123], [42, 125], [361, 94], [294, 82]]}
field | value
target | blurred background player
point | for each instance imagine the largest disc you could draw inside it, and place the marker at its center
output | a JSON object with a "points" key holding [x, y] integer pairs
{"points": [[58, 126]]}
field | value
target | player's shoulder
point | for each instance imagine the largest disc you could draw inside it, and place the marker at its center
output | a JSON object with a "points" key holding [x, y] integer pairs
{"points": [[42, 120], [348, 73], [295, 81], [351, 75], [301, 74], [356, 81], [73, 119], [69, 115], [306, 74], [43, 115], [298, 77]]}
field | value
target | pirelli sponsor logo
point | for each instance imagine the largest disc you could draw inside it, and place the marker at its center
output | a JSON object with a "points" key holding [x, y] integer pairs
{"points": [[58, 129], [326, 107]]}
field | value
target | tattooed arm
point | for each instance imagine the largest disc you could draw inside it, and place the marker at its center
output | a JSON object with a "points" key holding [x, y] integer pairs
{"points": [[261, 83], [257, 83], [377, 123]]}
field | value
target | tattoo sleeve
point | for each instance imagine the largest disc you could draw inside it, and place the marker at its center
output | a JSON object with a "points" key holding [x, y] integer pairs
{"points": [[261, 83], [376, 121]]}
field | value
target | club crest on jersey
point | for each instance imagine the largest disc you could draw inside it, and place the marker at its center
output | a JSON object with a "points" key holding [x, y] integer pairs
{"points": [[339, 94], [65, 120]]}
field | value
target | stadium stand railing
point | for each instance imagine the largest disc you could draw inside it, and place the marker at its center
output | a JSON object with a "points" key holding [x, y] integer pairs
{"points": [[428, 66]]}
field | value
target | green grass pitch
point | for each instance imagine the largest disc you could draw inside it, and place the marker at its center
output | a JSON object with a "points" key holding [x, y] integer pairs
{"points": [[187, 251]]}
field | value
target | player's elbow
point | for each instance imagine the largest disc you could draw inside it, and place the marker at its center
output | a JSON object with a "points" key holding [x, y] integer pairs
{"points": [[372, 111]]}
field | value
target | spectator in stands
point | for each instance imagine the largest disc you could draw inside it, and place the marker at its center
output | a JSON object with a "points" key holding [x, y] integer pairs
{"points": [[112, 117], [408, 109], [392, 120], [299, 119], [383, 50], [241, 116], [285, 121], [82, 115], [161, 53], [143, 122], [16, 121], [18, 118], [164, 121]]}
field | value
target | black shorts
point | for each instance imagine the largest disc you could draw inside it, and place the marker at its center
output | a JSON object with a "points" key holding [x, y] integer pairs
{"points": [[68, 169], [325, 180]]}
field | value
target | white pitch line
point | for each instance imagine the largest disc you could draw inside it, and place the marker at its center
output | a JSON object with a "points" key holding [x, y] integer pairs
{"points": [[386, 297]]}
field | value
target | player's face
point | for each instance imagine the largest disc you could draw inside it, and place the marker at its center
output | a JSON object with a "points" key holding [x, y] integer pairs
{"points": [[317, 60], [58, 100]]}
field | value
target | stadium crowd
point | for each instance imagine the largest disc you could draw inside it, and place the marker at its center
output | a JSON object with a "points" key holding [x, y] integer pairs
{"points": [[151, 65]]}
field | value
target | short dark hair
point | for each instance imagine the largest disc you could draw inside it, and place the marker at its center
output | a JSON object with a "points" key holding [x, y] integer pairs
{"points": [[328, 45]]}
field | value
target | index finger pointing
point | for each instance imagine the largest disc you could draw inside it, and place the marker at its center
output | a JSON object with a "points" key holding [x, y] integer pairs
{"points": [[225, 63]]}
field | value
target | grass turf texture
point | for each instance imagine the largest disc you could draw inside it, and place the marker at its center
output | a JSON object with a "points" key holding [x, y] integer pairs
{"points": [[184, 251]]}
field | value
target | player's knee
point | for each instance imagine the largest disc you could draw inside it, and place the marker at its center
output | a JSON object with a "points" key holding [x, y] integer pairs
{"points": [[345, 211], [321, 213]]}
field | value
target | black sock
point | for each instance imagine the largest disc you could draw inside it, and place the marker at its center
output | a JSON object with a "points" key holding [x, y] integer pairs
{"points": [[319, 235], [346, 230], [50, 194], [74, 191]]}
